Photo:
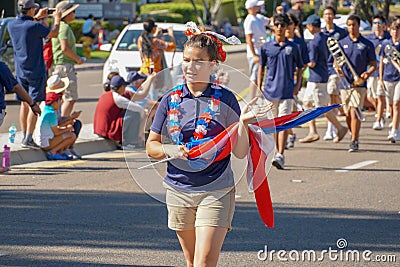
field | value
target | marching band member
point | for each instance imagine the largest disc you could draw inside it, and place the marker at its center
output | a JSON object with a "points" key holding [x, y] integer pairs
{"points": [[334, 31], [316, 92], [360, 53], [284, 60], [290, 34], [390, 80], [377, 37]]}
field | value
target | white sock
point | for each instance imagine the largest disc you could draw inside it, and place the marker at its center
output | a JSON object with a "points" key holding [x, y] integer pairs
{"points": [[329, 128]]}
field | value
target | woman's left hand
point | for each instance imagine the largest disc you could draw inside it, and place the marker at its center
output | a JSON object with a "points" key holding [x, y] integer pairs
{"points": [[253, 110]]}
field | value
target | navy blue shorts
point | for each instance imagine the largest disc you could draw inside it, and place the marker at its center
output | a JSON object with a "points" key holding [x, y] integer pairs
{"points": [[35, 88]]}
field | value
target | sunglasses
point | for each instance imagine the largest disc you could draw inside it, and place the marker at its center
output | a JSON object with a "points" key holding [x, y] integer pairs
{"points": [[277, 24], [378, 22]]}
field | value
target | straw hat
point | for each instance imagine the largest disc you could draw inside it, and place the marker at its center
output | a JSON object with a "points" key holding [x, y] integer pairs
{"points": [[66, 7], [56, 84]]}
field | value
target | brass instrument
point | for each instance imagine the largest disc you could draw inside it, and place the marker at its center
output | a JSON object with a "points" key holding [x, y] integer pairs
{"points": [[342, 60], [394, 56]]}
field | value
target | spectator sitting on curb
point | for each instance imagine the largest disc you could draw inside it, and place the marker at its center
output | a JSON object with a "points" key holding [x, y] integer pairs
{"points": [[53, 138], [53, 85], [116, 117], [138, 91]]}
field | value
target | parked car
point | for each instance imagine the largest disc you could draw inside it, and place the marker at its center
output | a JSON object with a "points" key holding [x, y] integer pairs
{"points": [[125, 56], [6, 48]]}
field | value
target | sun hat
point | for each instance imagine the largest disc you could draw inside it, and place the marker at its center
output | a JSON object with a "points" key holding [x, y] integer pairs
{"points": [[253, 3], [56, 84], [134, 76], [66, 7]]}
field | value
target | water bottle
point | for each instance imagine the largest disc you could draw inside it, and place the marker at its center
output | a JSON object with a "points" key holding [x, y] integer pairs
{"points": [[11, 133], [6, 157]]}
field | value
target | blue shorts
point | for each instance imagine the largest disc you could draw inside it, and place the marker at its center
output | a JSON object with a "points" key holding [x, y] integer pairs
{"points": [[35, 88]]}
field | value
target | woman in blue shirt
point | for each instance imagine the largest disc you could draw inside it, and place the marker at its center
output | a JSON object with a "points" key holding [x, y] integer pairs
{"points": [[200, 199]]}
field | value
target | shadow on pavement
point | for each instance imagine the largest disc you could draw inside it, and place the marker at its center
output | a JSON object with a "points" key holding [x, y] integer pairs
{"points": [[108, 220]]}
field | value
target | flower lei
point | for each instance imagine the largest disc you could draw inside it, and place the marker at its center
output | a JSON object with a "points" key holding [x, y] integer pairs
{"points": [[201, 124]]}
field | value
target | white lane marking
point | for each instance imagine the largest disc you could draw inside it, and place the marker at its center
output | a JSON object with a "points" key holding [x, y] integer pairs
{"points": [[357, 166], [296, 181]]}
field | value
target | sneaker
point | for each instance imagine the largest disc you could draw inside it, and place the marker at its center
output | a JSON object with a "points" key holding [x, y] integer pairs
{"points": [[328, 136], [309, 138], [30, 144], [353, 146], [130, 147], [56, 156], [377, 125], [394, 136], [290, 141], [330, 132], [67, 157], [341, 133], [387, 114], [279, 161], [74, 154]]}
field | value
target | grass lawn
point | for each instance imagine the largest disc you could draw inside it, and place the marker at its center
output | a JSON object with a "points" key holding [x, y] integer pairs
{"points": [[394, 10], [94, 53]]}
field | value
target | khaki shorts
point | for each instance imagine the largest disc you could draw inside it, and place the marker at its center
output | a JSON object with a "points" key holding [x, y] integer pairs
{"points": [[316, 93], [333, 84], [253, 69], [189, 210], [353, 98], [373, 86], [68, 70], [392, 91], [281, 107]]}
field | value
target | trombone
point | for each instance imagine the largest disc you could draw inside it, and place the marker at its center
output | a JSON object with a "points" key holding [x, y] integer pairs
{"points": [[394, 56], [341, 61]]}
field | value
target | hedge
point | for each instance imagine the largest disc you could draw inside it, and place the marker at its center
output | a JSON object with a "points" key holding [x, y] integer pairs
{"points": [[76, 27]]}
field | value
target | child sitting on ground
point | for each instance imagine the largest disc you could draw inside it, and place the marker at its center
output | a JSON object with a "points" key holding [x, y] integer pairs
{"points": [[53, 138]]}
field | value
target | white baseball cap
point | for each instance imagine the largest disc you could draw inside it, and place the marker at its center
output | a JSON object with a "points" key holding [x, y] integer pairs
{"points": [[253, 3]]}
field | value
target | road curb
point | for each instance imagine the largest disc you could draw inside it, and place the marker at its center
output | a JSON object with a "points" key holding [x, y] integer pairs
{"points": [[84, 147], [98, 66], [87, 143]]}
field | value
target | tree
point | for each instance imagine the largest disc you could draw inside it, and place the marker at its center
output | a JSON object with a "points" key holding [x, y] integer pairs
{"points": [[365, 8], [211, 8], [333, 3]]}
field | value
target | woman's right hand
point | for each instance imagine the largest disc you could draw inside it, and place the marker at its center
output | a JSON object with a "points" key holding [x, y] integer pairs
{"points": [[176, 151]]}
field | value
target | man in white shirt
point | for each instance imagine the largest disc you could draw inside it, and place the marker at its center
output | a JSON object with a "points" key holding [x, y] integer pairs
{"points": [[256, 36]]}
